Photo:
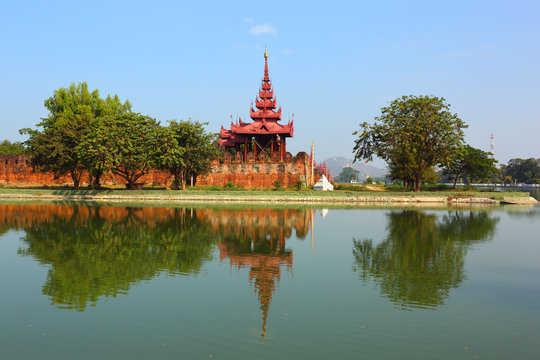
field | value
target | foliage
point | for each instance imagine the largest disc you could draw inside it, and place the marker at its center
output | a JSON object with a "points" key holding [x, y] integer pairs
{"points": [[369, 180], [229, 186], [347, 175], [12, 148], [413, 134], [422, 256], [351, 187], [277, 185], [71, 111], [299, 184], [129, 145], [523, 170], [435, 187], [473, 165], [196, 149]]}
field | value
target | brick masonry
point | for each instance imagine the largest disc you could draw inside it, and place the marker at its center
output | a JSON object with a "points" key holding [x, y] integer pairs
{"points": [[16, 170]]}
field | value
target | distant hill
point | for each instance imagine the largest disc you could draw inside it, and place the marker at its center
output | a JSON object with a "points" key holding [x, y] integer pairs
{"points": [[337, 163]]}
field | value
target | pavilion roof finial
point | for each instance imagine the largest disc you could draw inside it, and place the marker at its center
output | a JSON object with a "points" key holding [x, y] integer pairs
{"points": [[265, 51]]}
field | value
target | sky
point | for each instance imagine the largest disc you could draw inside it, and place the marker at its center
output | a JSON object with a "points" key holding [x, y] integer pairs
{"points": [[333, 64]]}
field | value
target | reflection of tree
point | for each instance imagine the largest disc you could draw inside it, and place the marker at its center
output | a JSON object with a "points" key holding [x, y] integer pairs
{"points": [[97, 251], [102, 251], [422, 257]]}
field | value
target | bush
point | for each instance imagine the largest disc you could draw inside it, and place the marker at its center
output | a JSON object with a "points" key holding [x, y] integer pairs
{"points": [[277, 185], [435, 187], [350, 187], [298, 185], [394, 187], [229, 186]]}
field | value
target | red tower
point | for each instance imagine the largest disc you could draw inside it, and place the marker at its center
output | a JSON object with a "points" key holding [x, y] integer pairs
{"points": [[264, 137]]}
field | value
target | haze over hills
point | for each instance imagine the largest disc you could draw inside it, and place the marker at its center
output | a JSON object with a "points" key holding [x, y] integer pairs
{"points": [[337, 163]]}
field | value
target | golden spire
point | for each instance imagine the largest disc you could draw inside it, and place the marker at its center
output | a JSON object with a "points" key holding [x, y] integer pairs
{"points": [[265, 52]]}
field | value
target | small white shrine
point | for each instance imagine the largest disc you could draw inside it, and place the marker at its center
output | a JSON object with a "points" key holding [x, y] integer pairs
{"points": [[323, 184]]}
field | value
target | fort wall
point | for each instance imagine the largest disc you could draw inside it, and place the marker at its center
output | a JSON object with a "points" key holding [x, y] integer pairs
{"points": [[16, 170]]}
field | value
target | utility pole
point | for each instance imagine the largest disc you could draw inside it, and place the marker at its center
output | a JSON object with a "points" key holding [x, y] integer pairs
{"points": [[312, 154], [492, 150]]}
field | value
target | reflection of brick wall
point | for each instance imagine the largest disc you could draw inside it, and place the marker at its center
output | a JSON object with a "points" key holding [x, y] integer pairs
{"points": [[15, 170]]}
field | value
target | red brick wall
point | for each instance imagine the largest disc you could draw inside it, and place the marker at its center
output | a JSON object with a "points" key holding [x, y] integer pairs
{"points": [[15, 170]]}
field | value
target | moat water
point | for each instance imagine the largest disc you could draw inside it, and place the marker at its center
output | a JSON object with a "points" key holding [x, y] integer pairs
{"points": [[115, 282]]}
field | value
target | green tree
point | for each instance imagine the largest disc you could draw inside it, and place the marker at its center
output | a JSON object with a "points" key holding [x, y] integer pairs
{"points": [[71, 111], [347, 175], [473, 165], [414, 133], [198, 148], [128, 144], [524, 170], [12, 148]]}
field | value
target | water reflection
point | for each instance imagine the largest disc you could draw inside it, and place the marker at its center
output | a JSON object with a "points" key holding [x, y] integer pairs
{"points": [[422, 256], [255, 239], [101, 251]]}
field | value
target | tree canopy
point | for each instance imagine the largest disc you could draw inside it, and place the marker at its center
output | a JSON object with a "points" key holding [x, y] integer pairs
{"points": [[12, 148], [129, 145], [347, 175], [413, 133], [523, 170], [197, 146], [473, 165], [71, 111]]}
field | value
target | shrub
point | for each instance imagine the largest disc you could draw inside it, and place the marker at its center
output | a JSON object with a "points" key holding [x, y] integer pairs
{"points": [[229, 186], [436, 187], [277, 185], [298, 185]]}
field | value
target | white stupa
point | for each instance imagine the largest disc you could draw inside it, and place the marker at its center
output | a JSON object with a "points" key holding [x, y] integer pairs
{"points": [[323, 184]]}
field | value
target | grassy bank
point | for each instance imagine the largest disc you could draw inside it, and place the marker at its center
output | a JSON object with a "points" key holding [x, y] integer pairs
{"points": [[301, 196]]}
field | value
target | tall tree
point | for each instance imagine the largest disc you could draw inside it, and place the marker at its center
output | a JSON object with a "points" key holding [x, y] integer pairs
{"points": [[347, 175], [473, 165], [71, 111], [198, 148], [129, 145], [415, 132]]}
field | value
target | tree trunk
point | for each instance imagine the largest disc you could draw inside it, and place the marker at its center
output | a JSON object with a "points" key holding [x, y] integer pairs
{"points": [[183, 179], [76, 176], [455, 182], [417, 182], [97, 180]]}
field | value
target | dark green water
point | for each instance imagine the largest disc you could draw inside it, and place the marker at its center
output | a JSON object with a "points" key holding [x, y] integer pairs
{"points": [[112, 282]]}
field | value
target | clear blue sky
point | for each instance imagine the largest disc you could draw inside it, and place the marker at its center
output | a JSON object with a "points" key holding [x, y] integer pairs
{"points": [[333, 64]]}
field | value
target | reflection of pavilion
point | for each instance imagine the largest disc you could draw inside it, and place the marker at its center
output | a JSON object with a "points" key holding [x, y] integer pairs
{"points": [[264, 271], [256, 239]]}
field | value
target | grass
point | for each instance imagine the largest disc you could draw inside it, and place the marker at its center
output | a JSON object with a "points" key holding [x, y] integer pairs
{"points": [[257, 193]]}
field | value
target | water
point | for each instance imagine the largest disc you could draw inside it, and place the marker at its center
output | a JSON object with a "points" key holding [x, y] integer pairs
{"points": [[91, 282]]}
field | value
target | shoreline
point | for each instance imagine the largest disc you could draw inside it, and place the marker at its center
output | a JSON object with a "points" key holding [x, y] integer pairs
{"points": [[347, 198]]}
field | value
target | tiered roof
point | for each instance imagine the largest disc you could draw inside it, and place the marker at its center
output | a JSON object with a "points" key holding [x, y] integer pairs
{"points": [[265, 118]]}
